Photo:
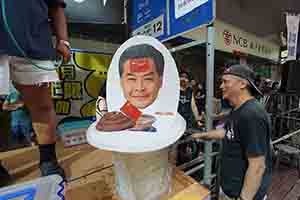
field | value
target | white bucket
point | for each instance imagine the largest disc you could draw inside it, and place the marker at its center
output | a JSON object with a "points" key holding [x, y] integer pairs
{"points": [[143, 176]]}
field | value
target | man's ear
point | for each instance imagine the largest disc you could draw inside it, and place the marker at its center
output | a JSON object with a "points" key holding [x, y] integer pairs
{"points": [[244, 84], [160, 82]]}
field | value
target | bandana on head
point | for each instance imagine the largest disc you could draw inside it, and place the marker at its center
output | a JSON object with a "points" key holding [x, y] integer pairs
{"points": [[139, 65]]}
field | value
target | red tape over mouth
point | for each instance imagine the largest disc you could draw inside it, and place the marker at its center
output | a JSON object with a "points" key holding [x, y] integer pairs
{"points": [[131, 111]]}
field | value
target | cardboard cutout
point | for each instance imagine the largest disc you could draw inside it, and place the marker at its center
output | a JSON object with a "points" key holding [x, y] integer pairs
{"points": [[142, 100]]}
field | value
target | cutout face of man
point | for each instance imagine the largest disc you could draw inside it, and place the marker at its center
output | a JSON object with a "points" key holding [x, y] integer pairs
{"points": [[140, 81]]}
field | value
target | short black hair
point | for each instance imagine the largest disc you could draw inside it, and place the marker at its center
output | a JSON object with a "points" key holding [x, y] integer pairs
{"points": [[185, 73], [143, 51]]}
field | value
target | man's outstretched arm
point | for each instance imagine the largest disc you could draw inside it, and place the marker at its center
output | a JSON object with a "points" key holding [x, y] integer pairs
{"points": [[217, 134]]}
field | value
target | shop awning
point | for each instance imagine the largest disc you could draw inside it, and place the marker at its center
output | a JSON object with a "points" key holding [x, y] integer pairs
{"points": [[265, 19], [249, 26]]}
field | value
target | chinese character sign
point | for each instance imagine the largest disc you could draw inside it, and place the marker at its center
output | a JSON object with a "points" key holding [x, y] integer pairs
{"points": [[292, 30], [81, 80]]}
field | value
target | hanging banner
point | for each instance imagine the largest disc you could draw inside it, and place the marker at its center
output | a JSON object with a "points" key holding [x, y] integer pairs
{"points": [[182, 7], [76, 94], [292, 30]]}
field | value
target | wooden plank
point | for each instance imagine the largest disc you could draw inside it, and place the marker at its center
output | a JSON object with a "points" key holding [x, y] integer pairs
{"points": [[278, 177], [90, 173], [88, 163], [281, 188], [294, 194], [183, 185], [31, 170], [192, 192], [14, 159], [100, 186], [23, 164]]}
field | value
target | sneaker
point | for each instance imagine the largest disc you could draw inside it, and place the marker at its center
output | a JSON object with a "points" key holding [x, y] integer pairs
{"points": [[51, 168], [5, 177]]}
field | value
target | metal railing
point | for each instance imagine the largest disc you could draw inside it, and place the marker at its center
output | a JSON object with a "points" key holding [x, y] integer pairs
{"points": [[284, 110]]}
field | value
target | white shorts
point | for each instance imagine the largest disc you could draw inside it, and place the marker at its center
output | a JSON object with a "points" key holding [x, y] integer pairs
{"points": [[23, 72]]}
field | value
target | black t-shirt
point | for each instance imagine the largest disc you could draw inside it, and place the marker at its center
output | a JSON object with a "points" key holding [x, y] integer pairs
{"points": [[185, 106], [28, 22], [248, 132], [200, 103]]}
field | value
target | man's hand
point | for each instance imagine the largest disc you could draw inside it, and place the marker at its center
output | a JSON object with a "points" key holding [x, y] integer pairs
{"points": [[63, 50], [201, 120], [199, 123]]}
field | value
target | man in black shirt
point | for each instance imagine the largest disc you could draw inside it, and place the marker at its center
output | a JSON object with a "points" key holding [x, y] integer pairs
{"points": [[246, 156], [26, 58]]}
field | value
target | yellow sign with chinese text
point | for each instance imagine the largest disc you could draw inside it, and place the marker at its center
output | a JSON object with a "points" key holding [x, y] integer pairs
{"points": [[80, 82]]}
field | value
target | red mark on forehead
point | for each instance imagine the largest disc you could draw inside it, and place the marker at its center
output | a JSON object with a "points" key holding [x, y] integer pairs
{"points": [[139, 64]]}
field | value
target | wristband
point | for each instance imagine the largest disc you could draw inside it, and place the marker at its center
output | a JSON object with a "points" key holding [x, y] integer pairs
{"points": [[65, 43]]}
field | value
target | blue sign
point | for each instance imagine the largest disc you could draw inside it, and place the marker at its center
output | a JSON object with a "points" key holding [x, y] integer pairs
{"points": [[148, 17], [199, 16], [27, 194], [166, 19], [50, 187]]}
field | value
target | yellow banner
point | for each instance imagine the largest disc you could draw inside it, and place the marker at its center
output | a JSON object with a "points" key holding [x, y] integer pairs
{"points": [[81, 80]]}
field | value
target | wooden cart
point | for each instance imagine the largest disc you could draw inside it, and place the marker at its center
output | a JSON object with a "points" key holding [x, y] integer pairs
{"points": [[90, 173]]}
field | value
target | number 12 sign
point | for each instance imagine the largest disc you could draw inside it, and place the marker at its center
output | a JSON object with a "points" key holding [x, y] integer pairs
{"points": [[154, 28]]}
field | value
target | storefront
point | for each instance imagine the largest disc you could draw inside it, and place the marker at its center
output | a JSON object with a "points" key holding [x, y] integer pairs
{"points": [[233, 45]]}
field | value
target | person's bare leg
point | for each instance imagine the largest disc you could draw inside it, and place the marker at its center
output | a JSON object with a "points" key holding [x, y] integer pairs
{"points": [[38, 100]]}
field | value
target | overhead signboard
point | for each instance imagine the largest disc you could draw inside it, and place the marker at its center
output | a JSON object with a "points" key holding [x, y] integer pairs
{"points": [[148, 17], [183, 7], [232, 39], [190, 14], [167, 19]]}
